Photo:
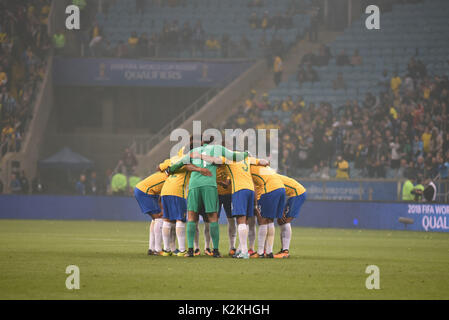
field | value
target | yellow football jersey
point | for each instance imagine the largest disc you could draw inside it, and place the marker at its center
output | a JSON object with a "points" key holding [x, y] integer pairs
{"points": [[223, 177], [176, 184], [153, 184], [265, 180], [292, 187], [164, 165], [240, 174]]}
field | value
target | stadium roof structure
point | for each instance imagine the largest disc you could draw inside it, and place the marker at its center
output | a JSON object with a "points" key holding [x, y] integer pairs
{"points": [[66, 159]]}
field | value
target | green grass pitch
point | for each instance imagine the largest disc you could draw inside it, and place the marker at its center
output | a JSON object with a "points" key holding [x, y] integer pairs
{"points": [[324, 264]]}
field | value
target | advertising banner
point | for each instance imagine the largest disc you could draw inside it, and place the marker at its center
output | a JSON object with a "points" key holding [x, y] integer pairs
{"points": [[351, 190], [129, 72], [316, 214]]}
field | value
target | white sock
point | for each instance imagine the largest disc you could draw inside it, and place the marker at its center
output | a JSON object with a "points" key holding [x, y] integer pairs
{"points": [[243, 237], [206, 235], [251, 233], [232, 233], [270, 238], [151, 236], [181, 235], [196, 242], [173, 237], [166, 234], [158, 234], [262, 236], [286, 235]]}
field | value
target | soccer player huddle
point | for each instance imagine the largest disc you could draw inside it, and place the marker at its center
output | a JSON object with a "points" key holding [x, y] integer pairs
{"points": [[210, 177]]}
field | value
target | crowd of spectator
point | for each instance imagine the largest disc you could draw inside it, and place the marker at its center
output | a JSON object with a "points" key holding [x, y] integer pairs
{"points": [[175, 38], [118, 182], [19, 184], [24, 45], [307, 73], [405, 128], [265, 22]]}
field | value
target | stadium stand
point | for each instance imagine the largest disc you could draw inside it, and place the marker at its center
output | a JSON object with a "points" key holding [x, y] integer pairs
{"points": [[385, 116], [24, 44], [198, 29]]}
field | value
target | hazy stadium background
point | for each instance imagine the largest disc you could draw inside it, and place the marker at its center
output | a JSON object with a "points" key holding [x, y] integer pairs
{"points": [[70, 109], [99, 121]]}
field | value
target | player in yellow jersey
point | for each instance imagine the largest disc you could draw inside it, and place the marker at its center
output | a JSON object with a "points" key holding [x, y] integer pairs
{"points": [[270, 195], [224, 189], [173, 198], [147, 194], [296, 194], [242, 195]]}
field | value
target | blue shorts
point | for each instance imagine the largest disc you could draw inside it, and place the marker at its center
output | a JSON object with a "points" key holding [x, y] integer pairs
{"points": [[243, 203], [175, 208], [272, 204], [226, 201], [149, 203], [294, 205]]}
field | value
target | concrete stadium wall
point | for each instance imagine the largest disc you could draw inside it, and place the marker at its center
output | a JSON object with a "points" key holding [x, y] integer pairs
{"points": [[318, 214], [34, 136]]}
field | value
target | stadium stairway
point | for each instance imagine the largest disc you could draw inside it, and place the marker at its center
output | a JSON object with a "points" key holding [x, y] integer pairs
{"points": [[214, 113]]}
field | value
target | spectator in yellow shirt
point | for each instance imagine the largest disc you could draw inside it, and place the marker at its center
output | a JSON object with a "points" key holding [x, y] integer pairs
{"points": [[241, 121], [213, 44], [287, 105], [342, 168], [393, 113], [133, 39], [426, 92], [3, 77], [395, 83], [45, 11], [426, 140], [277, 68], [3, 37], [265, 21]]}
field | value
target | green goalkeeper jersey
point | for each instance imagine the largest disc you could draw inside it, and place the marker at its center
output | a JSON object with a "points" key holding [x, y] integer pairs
{"points": [[196, 178]]}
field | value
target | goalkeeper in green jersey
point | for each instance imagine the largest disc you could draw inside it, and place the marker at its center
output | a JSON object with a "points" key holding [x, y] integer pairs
{"points": [[203, 190]]}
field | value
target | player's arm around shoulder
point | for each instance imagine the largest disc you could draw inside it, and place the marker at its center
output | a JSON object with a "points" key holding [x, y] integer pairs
{"points": [[207, 158], [258, 162], [231, 155], [178, 165]]}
